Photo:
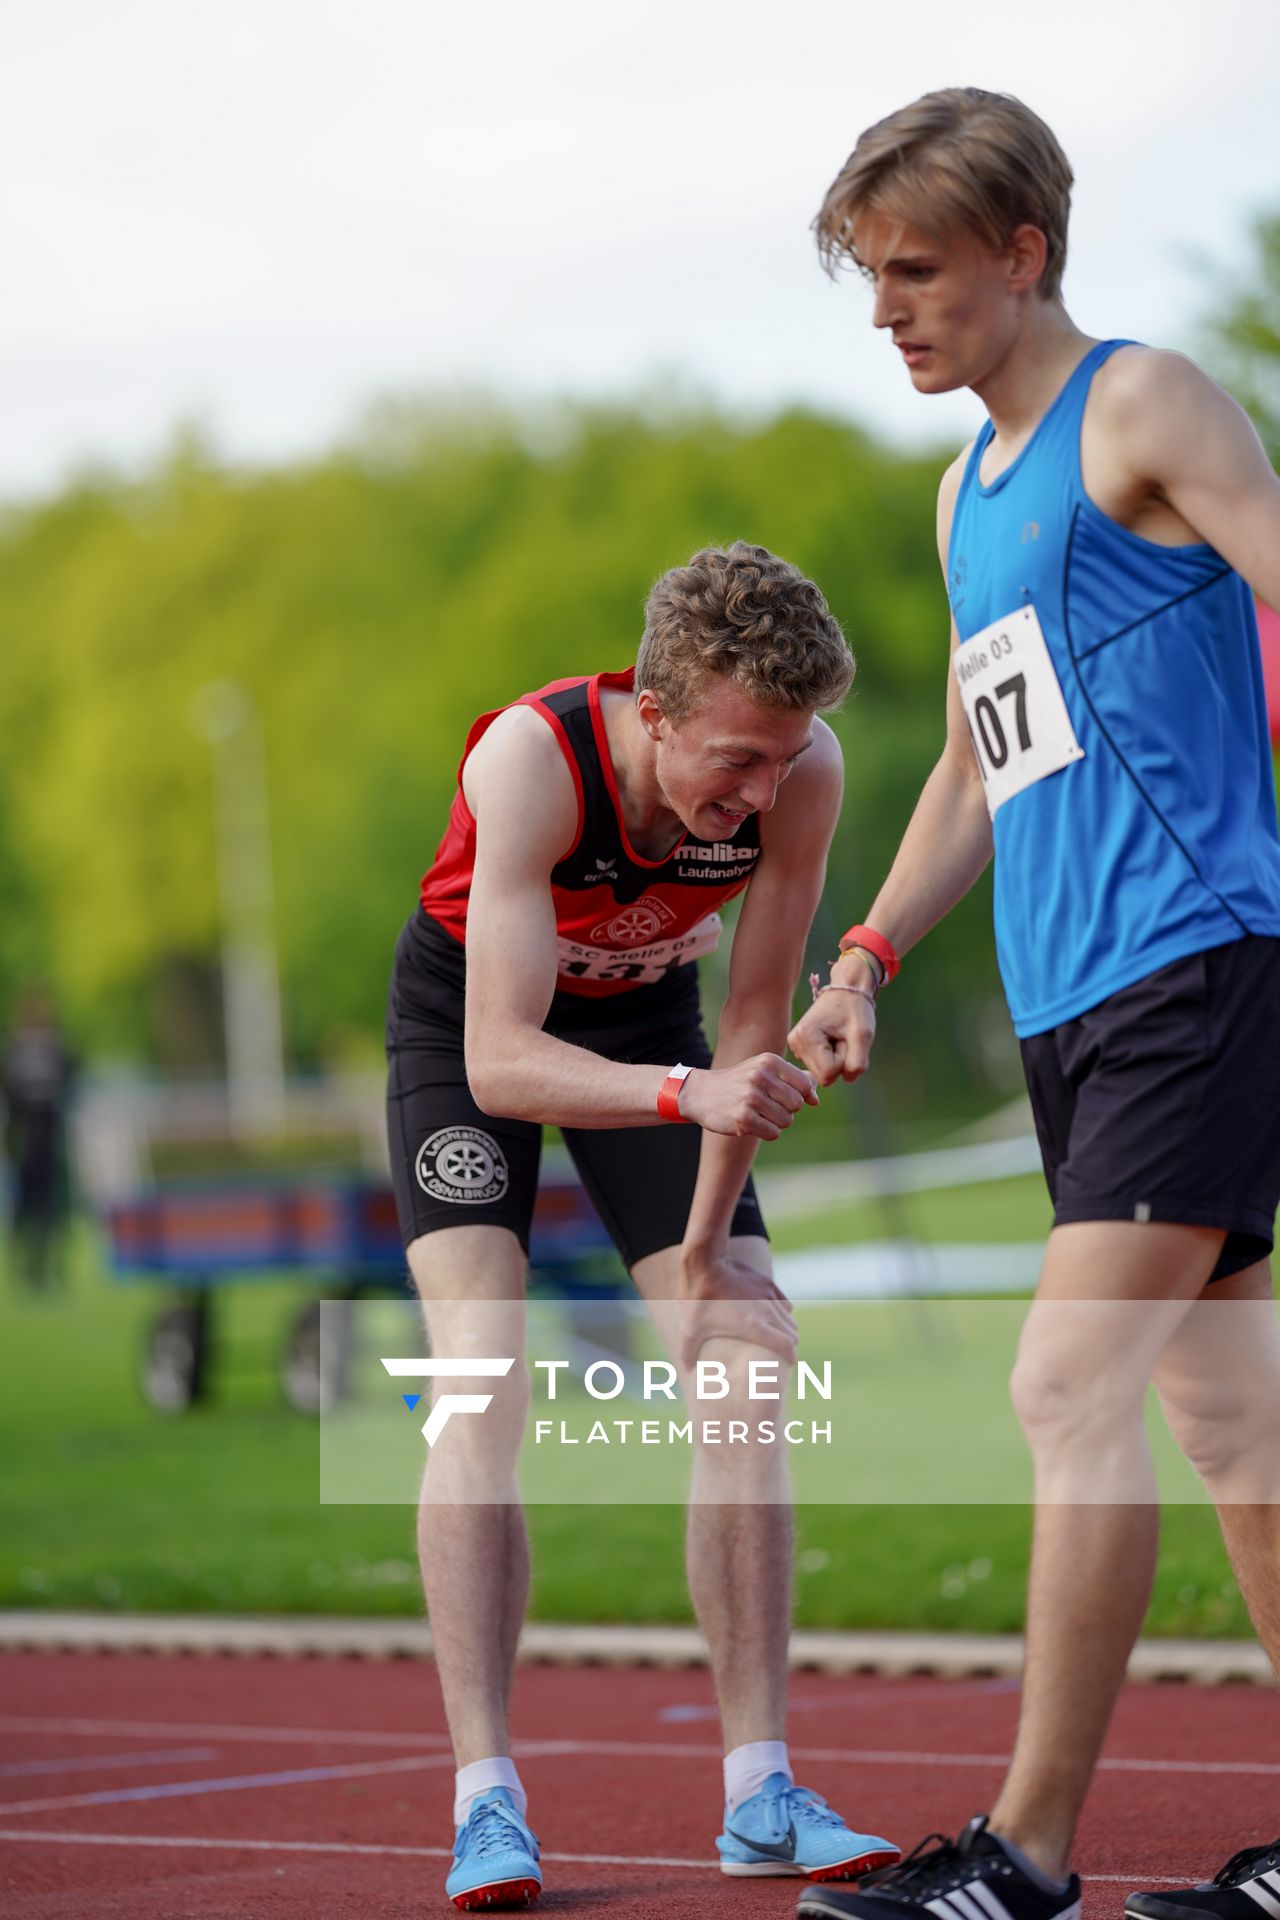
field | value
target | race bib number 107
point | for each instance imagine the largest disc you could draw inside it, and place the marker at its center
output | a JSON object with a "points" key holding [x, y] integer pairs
{"points": [[1013, 702]]}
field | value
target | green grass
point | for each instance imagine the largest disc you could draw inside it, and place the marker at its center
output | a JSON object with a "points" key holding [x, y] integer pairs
{"points": [[106, 1504], [1010, 1211]]}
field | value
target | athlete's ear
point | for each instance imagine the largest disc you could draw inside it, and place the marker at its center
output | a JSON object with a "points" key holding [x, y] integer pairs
{"points": [[1027, 255], [649, 707]]}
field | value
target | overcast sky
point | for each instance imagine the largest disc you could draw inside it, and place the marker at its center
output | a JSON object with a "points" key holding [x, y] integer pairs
{"points": [[263, 213]]}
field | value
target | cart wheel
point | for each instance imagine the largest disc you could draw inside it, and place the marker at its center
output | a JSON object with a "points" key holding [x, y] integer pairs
{"points": [[174, 1359], [313, 1372]]}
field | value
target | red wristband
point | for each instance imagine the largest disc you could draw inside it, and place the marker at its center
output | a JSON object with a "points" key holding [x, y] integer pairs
{"points": [[669, 1093], [874, 943]]}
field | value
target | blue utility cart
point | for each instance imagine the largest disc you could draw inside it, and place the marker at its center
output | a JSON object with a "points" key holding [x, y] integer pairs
{"points": [[198, 1237]]}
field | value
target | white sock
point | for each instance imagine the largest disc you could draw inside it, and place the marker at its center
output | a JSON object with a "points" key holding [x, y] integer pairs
{"points": [[481, 1777], [747, 1768]]}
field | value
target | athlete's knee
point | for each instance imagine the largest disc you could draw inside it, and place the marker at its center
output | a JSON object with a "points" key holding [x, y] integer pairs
{"points": [[479, 1420], [1064, 1392], [738, 1380], [475, 1323]]}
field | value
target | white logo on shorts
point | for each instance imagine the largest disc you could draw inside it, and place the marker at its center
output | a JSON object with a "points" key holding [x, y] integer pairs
{"points": [[463, 1165]]}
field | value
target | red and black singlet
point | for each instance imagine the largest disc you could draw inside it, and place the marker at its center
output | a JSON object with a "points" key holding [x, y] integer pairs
{"points": [[621, 920]]}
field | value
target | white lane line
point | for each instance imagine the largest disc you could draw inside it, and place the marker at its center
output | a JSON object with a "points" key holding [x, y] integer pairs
{"points": [[247, 1782], [622, 1749], [234, 1783], [91, 1763], [861, 1756], [337, 1846], [173, 1729], [197, 1841]]}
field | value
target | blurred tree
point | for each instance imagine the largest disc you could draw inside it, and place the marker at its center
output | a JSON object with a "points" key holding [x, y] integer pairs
{"points": [[444, 560], [24, 944], [1244, 340]]}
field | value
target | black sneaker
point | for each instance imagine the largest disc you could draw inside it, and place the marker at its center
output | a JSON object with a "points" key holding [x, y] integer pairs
{"points": [[1247, 1888], [973, 1878]]}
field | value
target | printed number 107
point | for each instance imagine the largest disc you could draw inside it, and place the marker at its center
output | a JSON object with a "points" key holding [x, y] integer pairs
{"points": [[990, 727]]}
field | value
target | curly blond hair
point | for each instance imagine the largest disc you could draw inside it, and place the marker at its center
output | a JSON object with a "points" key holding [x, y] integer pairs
{"points": [[743, 612]]}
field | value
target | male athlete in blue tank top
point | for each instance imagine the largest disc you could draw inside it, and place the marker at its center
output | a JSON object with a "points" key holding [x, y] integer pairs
{"points": [[1107, 742]]}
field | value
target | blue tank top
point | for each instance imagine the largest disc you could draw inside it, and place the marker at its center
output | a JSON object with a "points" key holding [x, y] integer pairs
{"points": [[1161, 839]]}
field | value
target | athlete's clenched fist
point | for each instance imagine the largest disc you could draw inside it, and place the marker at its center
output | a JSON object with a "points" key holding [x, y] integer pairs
{"points": [[758, 1098], [834, 1036]]}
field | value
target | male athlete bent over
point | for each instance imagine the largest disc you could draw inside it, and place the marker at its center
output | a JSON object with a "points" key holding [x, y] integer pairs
{"points": [[1107, 739], [546, 978]]}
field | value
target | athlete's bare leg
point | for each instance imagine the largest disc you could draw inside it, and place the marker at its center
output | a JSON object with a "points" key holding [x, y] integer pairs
{"points": [[1219, 1383], [474, 1551], [738, 1543], [1079, 1389]]}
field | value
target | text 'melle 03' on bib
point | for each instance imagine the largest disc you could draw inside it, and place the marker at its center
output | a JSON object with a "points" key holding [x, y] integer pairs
{"points": [[1013, 702], [637, 966]]}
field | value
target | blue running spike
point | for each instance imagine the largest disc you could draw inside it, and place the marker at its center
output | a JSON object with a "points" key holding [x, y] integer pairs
{"points": [[411, 1400], [495, 1858], [788, 1829]]}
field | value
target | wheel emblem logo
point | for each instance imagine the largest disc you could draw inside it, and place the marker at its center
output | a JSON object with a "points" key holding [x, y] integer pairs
{"points": [[644, 919], [465, 1165], [634, 925], [462, 1165]]}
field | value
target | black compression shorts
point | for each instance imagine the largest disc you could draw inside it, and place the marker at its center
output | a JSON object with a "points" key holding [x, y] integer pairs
{"points": [[1163, 1102], [453, 1165]]}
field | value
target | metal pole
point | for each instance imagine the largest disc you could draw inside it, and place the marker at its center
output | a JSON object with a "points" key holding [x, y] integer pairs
{"points": [[224, 713]]}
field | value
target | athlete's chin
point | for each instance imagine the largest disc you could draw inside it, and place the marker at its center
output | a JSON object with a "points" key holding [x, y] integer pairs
{"points": [[929, 377]]}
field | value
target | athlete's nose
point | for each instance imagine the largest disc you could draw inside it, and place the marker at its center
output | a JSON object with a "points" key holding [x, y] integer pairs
{"points": [[887, 309], [760, 792]]}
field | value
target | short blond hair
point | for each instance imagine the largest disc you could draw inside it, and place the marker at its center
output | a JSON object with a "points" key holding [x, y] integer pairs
{"points": [[743, 612], [956, 158]]}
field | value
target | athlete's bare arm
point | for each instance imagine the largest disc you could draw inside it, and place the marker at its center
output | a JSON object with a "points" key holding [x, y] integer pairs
{"points": [[1160, 433], [946, 846], [521, 793], [768, 952]]}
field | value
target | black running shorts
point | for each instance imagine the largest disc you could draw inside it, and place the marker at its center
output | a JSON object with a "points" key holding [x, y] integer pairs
{"points": [[1163, 1102], [453, 1165]]}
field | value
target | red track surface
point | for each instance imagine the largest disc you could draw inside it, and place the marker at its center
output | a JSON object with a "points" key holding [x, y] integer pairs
{"points": [[160, 1788]]}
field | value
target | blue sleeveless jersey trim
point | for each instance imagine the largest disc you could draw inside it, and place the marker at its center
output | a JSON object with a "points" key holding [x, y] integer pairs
{"points": [[1162, 839]]}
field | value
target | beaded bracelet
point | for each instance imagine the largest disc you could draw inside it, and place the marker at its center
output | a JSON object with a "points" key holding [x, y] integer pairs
{"points": [[839, 986]]}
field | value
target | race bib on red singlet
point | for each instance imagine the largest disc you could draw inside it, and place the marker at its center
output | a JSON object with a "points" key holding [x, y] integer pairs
{"points": [[638, 965], [1013, 702]]}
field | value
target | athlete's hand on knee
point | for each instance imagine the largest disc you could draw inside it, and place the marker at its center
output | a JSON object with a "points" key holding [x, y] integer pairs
{"points": [[834, 1037], [758, 1098], [724, 1298]]}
